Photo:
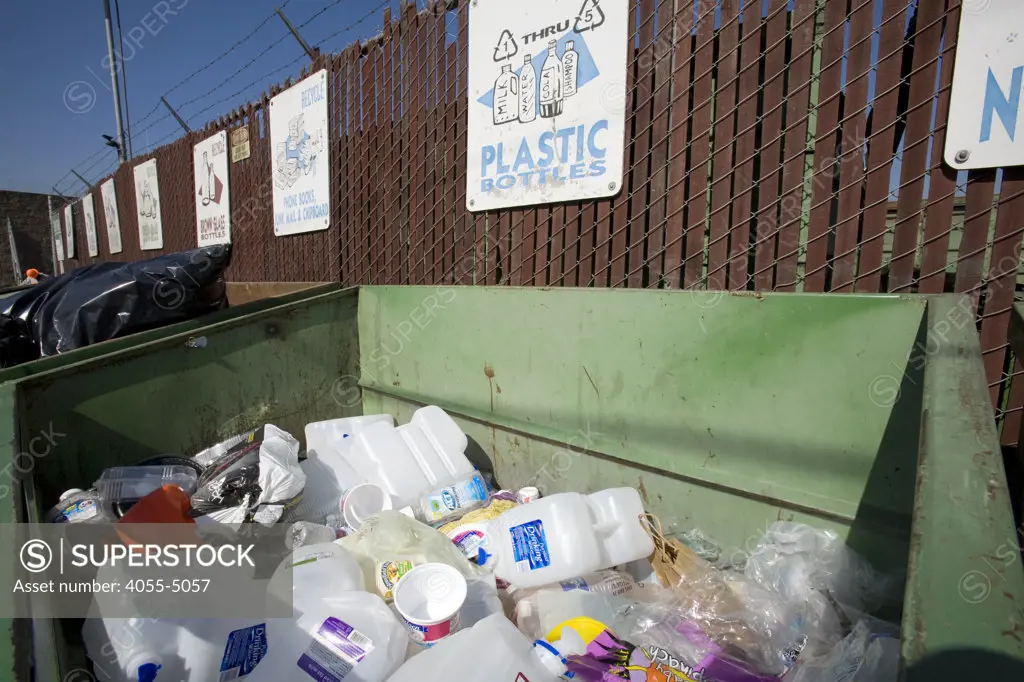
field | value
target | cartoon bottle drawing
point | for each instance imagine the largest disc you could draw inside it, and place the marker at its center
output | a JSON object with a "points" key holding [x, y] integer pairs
{"points": [[506, 96], [551, 80], [208, 181], [528, 91], [571, 65]]}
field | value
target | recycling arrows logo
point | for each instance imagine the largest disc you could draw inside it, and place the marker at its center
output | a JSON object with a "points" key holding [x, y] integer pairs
{"points": [[590, 16], [506, 47]]}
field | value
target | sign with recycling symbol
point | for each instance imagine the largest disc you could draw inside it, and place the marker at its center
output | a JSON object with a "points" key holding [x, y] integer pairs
{"points": [[547, 92]]}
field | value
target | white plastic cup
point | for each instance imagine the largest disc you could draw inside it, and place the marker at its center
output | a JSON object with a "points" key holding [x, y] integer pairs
{"points": [[429, 598], [362, 502]]}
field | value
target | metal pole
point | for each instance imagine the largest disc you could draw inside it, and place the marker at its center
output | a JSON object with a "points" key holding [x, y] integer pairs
{"points": [[181, 121], [122, 151], [310, 52], [81, 178]]}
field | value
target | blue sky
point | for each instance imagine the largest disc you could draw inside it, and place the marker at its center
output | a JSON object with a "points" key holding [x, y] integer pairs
{"points": [[59, 104], [57, 100]]}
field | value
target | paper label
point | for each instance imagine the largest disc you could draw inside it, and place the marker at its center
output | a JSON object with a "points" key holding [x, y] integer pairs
{"points": [[529, 546], [575, 584], [245, 648], [388, 573], [336, 648], [83, 510], [442, 503]]}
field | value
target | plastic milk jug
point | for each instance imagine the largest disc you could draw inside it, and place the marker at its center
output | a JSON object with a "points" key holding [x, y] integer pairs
{"points": [[566, 535]]}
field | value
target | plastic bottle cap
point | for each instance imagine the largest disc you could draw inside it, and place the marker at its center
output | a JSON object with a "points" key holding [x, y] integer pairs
{"points": [[528, 494], [147, 672], [549, 657]]}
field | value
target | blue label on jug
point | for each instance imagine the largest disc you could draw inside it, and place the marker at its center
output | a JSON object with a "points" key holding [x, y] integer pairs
{"points": [[245, 648], [574, 584], [529, 546]]}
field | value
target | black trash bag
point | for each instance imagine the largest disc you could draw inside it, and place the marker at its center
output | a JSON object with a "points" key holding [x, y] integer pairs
{"points": [[109, 300]]}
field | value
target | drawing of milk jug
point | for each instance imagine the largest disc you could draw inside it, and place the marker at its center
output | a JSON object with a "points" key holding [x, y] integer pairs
{"points": [[527, 91], [551, 80], [506, 96], [571, 64]]}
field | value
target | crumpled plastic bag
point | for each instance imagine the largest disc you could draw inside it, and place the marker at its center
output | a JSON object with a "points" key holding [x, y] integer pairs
{"points": [[109, 300], [865, 655], [393, 539], [251, 477]]}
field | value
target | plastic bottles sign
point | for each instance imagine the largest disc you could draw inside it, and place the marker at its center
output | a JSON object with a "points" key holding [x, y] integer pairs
{"points": [[547, 91], [986, 119], [213, 198], [299, 134]]}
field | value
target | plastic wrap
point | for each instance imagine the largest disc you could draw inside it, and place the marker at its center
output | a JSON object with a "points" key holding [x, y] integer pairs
{"points": [[250, 477], [863, 656], [110, 300]]}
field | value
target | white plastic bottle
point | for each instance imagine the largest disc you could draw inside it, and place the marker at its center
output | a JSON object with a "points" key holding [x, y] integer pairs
{"points": [[493, 650], [552, 76], [527, 91], [353, 636], [426, 454], [567, 535], [506, 96], [571, 65], [328, 473]]}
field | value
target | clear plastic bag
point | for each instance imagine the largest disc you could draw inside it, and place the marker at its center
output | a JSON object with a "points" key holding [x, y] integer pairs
{"points": [[250, 477], [865, 655], [389, 544], [796, 561]]}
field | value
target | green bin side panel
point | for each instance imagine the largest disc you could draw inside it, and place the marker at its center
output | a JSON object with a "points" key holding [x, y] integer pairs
{"points": [[964, 599], [768, 398], [116, 345], [281, 366]]}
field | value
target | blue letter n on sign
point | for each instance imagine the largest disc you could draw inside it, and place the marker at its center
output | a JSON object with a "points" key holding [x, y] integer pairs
{"points": [[997, 102]]}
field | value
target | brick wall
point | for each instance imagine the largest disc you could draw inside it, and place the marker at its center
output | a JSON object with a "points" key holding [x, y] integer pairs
{"points": [[30, 222]]}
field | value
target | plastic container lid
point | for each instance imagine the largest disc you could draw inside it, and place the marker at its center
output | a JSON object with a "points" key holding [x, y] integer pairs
{"points": [[133, 483], [528, 494], [430, 594]]}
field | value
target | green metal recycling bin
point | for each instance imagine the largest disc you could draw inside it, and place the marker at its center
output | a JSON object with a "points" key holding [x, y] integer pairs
{"points": [[869, 415], [268, 298]]}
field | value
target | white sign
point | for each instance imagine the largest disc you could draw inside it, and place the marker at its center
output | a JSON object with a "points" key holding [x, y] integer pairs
{"points": [[58, 240], [986, 119], [547, 93], [111, 216], [213, 200], [300, 164], [147, 203], [89, 212], [69, 229]]}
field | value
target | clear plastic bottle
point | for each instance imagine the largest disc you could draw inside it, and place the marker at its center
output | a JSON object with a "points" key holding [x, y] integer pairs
{"points": [[439, 506], [304, 533], [571, 65], [527, 91], [506, 96], [552, 77]]}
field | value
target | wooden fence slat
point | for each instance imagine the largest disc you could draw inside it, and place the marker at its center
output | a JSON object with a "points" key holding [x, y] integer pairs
{"points": [[620, 217], [352, 166], [977, 221], [766, 220], [942, 180], [1002, 278], [797, 107], [588, 233], [571, 259], [682, 66], [915, 145], [880, 145], [557, 241], [728, 88], [851, 147], [700, 148], [392, 198], [436, 154], [467, 228], [451, 153], [367, 153], [542, 242], [744, 179], [825, 145], [417, 158], [661, 57], [640, 173]]}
